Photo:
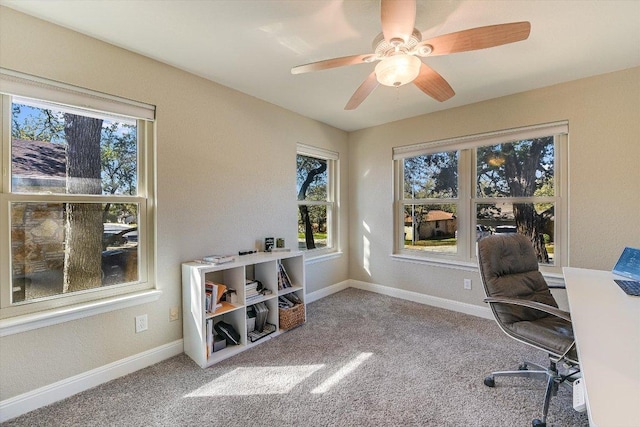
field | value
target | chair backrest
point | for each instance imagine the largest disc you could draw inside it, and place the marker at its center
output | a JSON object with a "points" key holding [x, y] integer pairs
{"points": [[509, 269]]}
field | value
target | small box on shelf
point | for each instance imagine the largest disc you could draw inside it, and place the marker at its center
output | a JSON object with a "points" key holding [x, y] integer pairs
{"points": [[219, 343]]}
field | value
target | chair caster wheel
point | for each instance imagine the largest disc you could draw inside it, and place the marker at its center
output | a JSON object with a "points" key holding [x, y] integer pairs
{"points": [[523, 367], [490, 381], [538, 423]]}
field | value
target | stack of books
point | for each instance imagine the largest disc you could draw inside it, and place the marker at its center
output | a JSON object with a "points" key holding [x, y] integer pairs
{"points": [[254, 291], [216, 259], [251, 292]]}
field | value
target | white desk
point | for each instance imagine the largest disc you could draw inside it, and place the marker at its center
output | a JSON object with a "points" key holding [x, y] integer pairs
{"points": [[606, 324]]}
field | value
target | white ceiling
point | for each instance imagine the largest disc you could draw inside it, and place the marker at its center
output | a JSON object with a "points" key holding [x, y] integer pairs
{"points": [[252, 45]]}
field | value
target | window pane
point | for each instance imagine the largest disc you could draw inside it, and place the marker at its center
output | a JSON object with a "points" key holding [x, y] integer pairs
{"points": [[312, 227], [430, 228], [431, 176], [536, 220], [59, 150], [516, 169], [101, 241], [312, 178]]}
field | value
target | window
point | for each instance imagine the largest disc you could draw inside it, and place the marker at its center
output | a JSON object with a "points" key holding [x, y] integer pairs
{"points": [[78, 193], [430, 202], [449, 194], [316, 187]]}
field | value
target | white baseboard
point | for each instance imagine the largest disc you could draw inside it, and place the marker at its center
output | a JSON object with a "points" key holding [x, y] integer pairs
{"points": [[462, 307], [474, 310], [325, 292], [21, 404]]}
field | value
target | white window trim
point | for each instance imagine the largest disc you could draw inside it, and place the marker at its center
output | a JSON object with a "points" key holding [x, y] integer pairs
{"points": [[31, 315], [42, 319], [466, 197], [28, 86], [333, 214]]}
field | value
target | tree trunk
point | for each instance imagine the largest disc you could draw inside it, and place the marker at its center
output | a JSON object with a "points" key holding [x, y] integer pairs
{"points": [[308, 228], [83, 225], [522, 183], [304, 210], [529, 223]]}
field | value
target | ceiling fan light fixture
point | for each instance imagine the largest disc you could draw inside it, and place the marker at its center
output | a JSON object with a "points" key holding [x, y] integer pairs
{"points": [[398, 70]]}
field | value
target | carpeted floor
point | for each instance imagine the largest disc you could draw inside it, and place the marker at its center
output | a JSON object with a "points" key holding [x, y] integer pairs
{"points": [[361, 359]]}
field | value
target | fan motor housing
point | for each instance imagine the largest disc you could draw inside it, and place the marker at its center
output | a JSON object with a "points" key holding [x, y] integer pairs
{"points": [[383, 48]]}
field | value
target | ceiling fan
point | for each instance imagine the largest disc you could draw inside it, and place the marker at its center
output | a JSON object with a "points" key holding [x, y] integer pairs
{"points": [[400, 45]]}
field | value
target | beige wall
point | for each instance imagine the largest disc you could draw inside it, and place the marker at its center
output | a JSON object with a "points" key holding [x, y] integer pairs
{"points": [[225, 179], [604, 177]]}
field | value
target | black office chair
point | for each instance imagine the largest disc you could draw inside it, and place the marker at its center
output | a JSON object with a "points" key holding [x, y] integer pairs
{"points": [[526, 311]]}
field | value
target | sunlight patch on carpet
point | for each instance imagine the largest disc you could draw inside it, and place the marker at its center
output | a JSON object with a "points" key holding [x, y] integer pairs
{"points": [[256, 380], [342, 373]]}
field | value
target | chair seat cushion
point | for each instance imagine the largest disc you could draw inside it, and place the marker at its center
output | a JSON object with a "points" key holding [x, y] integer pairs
{"points": [[551, 334]]}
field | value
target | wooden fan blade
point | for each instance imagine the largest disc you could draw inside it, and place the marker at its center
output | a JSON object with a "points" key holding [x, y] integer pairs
{"points": [[398, 18], [478, 38], [365, 89], [433, 84], [331, 63]]}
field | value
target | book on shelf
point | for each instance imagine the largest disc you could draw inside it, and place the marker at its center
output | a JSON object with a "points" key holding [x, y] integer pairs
{"points": [[217, 259], [284, 281], [213, 294], [209, 337], [261, 312], [288, 301]]}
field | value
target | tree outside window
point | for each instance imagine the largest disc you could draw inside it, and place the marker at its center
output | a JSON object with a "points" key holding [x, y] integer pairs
{"points": [[521, 173], [68, 235], [315, 182], [479, 188]]}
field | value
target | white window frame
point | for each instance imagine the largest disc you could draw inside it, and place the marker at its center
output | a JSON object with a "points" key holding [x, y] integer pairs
{"points": [[28, 315], [465, 257], [331, 204]]}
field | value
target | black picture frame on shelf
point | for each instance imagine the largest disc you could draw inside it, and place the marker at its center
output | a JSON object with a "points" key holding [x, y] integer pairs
{"points": [[268, 243]]}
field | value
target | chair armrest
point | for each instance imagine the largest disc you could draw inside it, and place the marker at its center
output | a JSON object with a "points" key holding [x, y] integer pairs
{"points": [[532, 304]]}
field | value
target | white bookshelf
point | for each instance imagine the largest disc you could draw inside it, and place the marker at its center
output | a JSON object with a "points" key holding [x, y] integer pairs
{"points": [[260, 266]]}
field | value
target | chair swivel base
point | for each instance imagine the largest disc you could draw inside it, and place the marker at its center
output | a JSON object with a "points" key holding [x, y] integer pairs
{"points": [[549, 374]]}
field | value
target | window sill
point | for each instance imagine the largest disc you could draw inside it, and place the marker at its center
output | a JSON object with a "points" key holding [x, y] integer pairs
{"points": [[552, 279], [446, 263], [321, 257], [28, 322]]}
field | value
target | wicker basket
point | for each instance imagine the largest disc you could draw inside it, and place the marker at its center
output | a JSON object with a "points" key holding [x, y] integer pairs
{"points": [[291, 317]]}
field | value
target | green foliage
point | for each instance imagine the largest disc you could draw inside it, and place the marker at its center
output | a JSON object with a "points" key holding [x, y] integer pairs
{"points": [[118, 153], [118, 144], [311, 178], [449, 241], [431, 176], [48, 125], [516, 169]]}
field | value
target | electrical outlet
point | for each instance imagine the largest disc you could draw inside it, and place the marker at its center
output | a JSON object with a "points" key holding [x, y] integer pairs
{"points": [[467, 283], [174, 313], [141, 323]]}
